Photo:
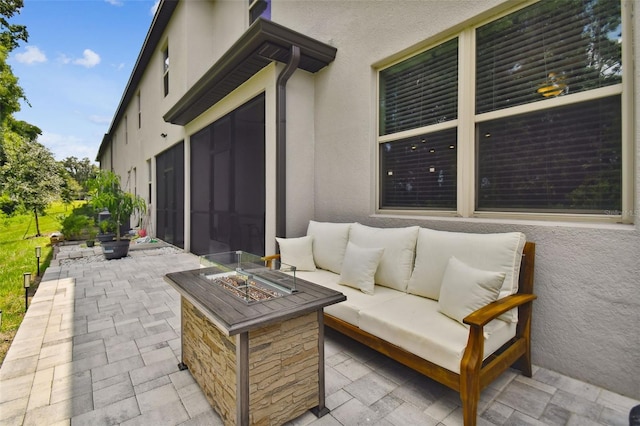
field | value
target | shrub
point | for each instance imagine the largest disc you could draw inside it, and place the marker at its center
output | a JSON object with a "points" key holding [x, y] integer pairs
{"points": [[78, 227], [7, 205]]}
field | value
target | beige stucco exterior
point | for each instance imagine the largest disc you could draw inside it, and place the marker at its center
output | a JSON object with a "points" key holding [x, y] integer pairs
{"points": [[587, 274]]}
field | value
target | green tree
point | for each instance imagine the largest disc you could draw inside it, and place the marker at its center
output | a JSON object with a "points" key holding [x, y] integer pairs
{"points": [[82, 171], [107, 193], [70, 189], [11, 34], [30, 175], [10, 91]]}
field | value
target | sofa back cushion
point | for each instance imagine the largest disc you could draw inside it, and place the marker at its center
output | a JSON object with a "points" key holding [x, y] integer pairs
{"points": [[329, 244], [396, 264], [491, 252]]}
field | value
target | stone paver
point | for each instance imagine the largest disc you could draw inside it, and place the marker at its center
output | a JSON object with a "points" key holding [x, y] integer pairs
{"points": [[100, 345]]}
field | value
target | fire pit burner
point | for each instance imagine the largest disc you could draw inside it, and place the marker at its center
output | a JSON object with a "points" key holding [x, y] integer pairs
{"points": [[245, 287], [246, 277]]}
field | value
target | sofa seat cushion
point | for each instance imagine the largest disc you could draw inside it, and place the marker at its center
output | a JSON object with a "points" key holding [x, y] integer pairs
{"points": [[414, 324], [349, 310]]}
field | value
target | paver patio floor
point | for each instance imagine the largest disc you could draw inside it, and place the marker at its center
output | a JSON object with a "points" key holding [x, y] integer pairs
{"points": [[100, 345]]}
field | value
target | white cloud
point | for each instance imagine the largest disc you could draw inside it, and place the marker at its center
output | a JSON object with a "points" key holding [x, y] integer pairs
{"points": [[114, 2], [63, 146], [89, 59], [154, 8], [31, 56]]}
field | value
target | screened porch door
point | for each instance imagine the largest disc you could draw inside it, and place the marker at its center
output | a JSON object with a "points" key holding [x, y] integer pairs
{"points": [[228, 182]]}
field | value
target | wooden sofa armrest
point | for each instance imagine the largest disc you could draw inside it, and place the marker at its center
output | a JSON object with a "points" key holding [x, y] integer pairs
{"points": [[493, 310], [269, 259]]}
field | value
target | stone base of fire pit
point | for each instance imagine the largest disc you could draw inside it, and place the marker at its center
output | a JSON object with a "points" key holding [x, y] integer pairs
{"points": [[260, 361], [270, 374]]}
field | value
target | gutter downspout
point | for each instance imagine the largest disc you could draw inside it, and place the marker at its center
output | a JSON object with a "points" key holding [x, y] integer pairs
{"points": [[281, 141]]}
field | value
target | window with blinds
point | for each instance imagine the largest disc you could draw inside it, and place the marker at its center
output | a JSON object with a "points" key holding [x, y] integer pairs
{"points": [[561, 159], [547, 116], [420, 172], [421, 90], [549, 49]]}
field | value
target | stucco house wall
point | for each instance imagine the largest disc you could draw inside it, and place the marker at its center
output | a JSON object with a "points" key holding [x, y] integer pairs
{"points": [[587, 274], [197, 34]]}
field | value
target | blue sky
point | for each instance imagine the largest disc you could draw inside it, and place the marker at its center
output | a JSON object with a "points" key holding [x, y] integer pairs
{"points": [[75, 67]]}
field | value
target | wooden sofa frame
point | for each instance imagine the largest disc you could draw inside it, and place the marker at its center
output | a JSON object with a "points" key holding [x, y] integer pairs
{"points": [[475, 374]]}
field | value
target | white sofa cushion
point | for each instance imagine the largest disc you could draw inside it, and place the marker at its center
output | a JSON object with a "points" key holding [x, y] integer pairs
{"points": [[414, 324], [492, 252], [297, 252], [329, 244], [399, 245], [466, 289], [349, 310], [359, 267]]}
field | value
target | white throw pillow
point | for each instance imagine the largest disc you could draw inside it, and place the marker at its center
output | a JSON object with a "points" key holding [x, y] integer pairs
{"points": [[501, 252], [466, 289], [329, 244], [297, 252], [359, 267], [399, 246]]}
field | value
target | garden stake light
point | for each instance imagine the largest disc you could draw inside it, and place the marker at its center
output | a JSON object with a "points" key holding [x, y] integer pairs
{"points": [[38, 254], [26, 281]]}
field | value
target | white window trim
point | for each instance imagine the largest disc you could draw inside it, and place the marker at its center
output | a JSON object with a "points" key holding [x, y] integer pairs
{"points": [[467, 120]]}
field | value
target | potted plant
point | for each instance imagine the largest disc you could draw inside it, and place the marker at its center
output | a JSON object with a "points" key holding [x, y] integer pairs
{"points": [[107, 194], [107, 228], [89, 233]]}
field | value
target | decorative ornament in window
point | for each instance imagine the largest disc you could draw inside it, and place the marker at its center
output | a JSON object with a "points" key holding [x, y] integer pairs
{"points": [[553, 86]]}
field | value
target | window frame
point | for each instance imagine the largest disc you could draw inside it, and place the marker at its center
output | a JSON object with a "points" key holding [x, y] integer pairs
{"points": [[466, 128], [165, 70], [139, 107]]}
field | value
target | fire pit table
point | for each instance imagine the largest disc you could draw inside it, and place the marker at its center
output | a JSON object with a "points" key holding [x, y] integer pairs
{"points": [[253, 337]]}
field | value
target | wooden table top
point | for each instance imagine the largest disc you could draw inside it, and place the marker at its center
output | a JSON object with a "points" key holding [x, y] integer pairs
{"points": [[233, 315]]}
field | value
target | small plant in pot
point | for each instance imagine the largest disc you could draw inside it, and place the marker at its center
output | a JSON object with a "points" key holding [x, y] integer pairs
{"points": [[107, 230], [107, 194]]}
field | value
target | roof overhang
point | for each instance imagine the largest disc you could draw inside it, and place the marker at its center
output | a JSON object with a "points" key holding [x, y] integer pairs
{"points": [[264, 42]]}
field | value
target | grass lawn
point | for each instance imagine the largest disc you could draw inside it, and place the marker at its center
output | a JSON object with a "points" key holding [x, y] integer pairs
{"points": [[17, 251]]}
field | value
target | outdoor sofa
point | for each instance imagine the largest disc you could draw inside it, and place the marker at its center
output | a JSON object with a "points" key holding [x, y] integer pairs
{"points": [[453, 306]]}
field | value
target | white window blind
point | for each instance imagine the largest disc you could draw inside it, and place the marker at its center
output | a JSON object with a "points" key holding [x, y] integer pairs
{"points": [[421, 90]]}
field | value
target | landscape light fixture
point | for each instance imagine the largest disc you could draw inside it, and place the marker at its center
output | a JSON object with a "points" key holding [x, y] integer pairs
{"points": [[26, 282], [38, 254]]}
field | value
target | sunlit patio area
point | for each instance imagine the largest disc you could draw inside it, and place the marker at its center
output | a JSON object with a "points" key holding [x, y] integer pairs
{"points": [[101, 343]]}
